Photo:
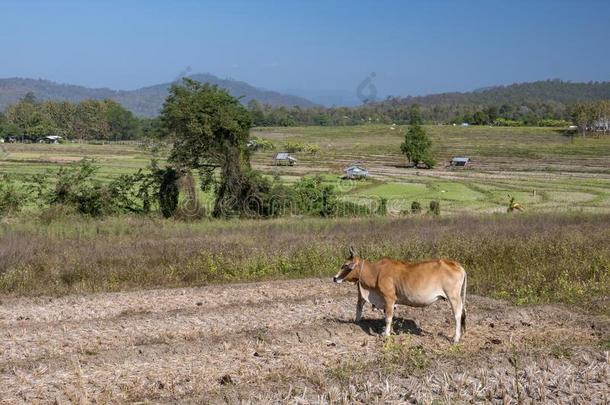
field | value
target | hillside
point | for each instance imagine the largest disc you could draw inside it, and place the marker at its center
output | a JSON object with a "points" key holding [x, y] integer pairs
{"points": [[146, 101], [557, 91]]}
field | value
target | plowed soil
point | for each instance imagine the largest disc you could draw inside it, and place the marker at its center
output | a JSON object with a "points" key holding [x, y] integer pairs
{"points": [[292, 341]]}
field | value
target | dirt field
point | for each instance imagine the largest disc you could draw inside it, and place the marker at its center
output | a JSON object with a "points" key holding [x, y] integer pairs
{"points": [[292, 341]]}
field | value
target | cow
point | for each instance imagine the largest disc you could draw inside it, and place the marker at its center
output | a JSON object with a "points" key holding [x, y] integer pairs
{"points": [[387, 282]]}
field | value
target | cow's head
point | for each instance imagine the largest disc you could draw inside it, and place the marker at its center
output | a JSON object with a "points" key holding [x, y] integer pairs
{"points": [[348, 270]]}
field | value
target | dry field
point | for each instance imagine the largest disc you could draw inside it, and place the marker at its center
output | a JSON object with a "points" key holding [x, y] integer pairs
{"points": [[292, 341]]}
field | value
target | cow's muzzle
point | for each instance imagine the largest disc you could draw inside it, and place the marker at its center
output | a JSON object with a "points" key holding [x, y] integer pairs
{"points": [[337, 280]]}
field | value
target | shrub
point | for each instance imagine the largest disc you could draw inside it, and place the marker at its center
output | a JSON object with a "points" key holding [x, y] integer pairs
{"points": [[256, 144], [292, 147], [312, 149], [382, 209], [312, 197], [553, 123], [12, 198], [435, 207], [76, 187], [415, 207]]}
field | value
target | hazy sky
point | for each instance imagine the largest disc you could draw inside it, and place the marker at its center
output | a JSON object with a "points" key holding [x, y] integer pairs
{"points": [[414, 47]]}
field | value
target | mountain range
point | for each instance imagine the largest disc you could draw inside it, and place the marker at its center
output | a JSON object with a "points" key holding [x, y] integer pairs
{"points": [[147, 101], [543, 91], [144, 102]]}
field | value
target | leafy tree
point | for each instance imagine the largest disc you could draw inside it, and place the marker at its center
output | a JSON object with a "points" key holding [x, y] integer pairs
{"points": [[10, 130], [417, 145], [121, 122], [210, 129]]}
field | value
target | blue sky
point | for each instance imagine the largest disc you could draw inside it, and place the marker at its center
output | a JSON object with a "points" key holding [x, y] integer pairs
{"points": [[414, 47]]}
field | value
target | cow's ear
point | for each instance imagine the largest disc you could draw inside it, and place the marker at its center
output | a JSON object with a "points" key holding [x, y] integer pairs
{"points": [[351, 265], [352, 252]]}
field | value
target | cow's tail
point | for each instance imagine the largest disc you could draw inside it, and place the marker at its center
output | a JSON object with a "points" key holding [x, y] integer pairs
{"points": [[463, 295]]}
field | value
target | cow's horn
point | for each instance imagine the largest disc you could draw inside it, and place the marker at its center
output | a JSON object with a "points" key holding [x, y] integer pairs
{"points": [[352, 252]]}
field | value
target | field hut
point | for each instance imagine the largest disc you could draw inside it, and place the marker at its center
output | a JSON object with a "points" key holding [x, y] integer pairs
{"points": [[50, 139], [356, 172], [460, 161], [284, 159]]}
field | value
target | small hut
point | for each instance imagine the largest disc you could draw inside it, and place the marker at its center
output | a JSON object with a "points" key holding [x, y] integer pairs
{"points": [[460, 161], [284, 159], [356, 172]]}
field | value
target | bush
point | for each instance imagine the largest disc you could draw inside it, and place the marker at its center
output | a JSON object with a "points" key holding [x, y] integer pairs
{"points": [[292, 147], [553, 123], [435, 207], [12, 199], [312, 148], [382, 209], [76, 187], [504, 122], [415, 207], [312, 197], [257, 144]]}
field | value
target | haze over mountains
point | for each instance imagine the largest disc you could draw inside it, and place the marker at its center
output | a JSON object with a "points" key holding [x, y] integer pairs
{"points": [[147, 101]]}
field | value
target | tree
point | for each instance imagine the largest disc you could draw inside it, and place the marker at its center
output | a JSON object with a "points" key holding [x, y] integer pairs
{"points": [[416, 146], [121, 122], [581, 115], [210, 129]]}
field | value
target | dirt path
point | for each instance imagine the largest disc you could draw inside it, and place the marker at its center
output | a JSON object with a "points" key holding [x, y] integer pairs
{"points": [[291, 341]]}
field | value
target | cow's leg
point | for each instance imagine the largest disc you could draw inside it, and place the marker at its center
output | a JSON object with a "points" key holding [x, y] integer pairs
{"points": [[389, 314], [456, 307], [359, 306]]}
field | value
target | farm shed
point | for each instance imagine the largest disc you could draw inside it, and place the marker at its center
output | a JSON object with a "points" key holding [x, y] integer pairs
{"points": [[51, 139], [284, 158], [460, 161], [356, 172]]}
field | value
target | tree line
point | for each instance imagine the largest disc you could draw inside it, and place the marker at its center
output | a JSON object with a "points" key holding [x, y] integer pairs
{"points": [[395, 111], [87, 120], [108, 120]]}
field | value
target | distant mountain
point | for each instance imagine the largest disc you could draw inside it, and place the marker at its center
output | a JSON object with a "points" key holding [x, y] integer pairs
{"points": [[556, 90], [146, 101]]}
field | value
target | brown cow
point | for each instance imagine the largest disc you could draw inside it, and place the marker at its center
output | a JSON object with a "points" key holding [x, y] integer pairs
{"points": [[388, 282]]}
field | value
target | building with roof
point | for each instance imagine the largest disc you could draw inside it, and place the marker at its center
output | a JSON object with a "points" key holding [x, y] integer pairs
{"points": [[284, 159], [460, 161]]}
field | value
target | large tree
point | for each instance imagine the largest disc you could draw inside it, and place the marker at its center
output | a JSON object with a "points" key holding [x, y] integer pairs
{"points": [[210, 129]]}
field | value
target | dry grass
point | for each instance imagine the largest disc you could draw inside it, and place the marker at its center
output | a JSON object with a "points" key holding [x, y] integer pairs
{"points": [[525, 258], [292, 341]]}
